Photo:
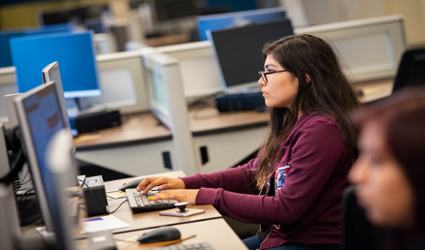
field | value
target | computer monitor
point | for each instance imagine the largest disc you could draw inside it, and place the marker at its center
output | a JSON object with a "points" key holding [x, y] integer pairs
{"points": [[238, 52], [40, 117], [51, 73], [73, 51], [411, 70], [237, 19], [173, 9]]}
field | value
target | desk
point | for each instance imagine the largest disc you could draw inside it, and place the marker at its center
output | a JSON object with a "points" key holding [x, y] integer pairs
{"points": [[208, 227], [136, 147], [153, 219], [216, 232], [226, 138], [374, 90]]}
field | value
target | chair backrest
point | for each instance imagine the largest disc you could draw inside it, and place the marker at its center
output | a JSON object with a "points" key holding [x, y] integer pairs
{"points": [[411, 69], [357, 231]]}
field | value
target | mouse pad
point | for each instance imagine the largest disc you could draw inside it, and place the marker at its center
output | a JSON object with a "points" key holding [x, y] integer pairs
{"points": [[176, 212]]}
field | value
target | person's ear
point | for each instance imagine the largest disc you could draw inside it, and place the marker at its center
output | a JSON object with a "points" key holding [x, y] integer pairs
{"points": [[307, 78]]}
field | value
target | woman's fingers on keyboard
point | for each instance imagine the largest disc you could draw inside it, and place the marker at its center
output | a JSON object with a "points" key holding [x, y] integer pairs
{"points": [[181, 195], [146, 184]]}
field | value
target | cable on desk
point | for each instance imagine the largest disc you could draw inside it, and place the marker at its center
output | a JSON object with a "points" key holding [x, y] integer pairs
{"points": [[24, 197], [25, 176], [204, 100], [118, 206]]}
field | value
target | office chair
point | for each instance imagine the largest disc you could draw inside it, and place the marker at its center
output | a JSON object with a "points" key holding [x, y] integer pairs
{"points": [[411, 69], [357, 232]]}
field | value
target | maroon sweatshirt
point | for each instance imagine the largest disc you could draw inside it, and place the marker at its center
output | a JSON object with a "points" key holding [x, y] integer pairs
{"points": [[309, 183]]}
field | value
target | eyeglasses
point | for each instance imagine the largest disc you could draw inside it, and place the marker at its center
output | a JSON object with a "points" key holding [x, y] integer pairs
{"points": [[264, 74]]}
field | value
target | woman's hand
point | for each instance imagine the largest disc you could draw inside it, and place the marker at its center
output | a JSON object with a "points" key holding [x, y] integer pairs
{"points": [[181, 195], [162, 182]]}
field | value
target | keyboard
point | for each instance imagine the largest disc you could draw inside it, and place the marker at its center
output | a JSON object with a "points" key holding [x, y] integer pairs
{"points": [[139, 202], [195, 246]]}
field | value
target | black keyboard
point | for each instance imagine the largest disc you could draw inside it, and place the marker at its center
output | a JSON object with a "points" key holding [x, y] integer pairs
{"points": [[195, 246], [139, 202]]}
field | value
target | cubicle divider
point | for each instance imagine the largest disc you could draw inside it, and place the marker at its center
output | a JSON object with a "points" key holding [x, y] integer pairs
{"points": [[7, 86], [198, 69], [122, 83], [220, 140], [370, 48], [168, 104]]}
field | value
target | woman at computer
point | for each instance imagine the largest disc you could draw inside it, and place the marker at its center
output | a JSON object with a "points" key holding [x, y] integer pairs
{"points": [[294, 187], [390, 170]]}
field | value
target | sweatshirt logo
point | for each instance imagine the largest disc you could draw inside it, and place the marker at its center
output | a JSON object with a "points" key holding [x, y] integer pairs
{"points": [[280, 176]]}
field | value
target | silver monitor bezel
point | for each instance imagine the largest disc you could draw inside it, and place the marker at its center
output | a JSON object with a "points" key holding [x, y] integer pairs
{"points": [[47, 72], [28, 146]]}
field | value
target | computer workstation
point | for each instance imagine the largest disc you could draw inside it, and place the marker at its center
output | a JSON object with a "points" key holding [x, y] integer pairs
{"points": [[46, 145], [74, 53]]}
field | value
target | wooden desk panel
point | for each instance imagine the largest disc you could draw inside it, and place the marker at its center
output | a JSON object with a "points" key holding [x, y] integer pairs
{"points": [[209, 120], [136, 128], [374, 90], [216, 232], [153, 219]]}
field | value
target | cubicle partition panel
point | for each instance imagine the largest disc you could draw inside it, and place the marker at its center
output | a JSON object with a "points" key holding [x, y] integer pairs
{"points": [[198, 69], [169, 105], [7, 86], [370, 48], [122, 83]]}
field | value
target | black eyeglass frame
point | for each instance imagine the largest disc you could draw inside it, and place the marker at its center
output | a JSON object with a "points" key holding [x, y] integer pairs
{"points": [[264, 74]]}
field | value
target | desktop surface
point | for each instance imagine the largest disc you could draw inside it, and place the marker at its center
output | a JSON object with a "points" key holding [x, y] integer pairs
{"points": [[152, 219], [216, 232], [136, 128]]}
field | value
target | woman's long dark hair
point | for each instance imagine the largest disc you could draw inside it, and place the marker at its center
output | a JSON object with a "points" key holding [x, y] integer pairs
{"points": [[328, 92]]}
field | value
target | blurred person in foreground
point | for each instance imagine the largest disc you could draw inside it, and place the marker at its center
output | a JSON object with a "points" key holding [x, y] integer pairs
{"points": [[390, 170]]}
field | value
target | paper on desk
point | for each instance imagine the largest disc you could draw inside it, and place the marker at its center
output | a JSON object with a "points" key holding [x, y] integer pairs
{"points": [[103, 223], [117, 195]]}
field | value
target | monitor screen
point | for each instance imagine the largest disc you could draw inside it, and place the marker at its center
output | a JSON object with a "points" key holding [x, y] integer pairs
{"points": [[238, 52], [411, 69], [40, 117], [73, 51], [172, 9], [51, 73], [237, 19]]}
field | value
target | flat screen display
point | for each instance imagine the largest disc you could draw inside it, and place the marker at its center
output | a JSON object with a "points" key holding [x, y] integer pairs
{"points": [[73, 51], [238, 51]]}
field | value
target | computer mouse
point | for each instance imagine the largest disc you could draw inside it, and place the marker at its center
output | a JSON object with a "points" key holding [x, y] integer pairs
{"points": [[160, 234], [130, 184]]}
